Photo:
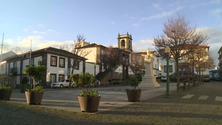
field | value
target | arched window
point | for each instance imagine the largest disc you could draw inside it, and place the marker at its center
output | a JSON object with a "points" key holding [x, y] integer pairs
{"points": [[123, 43]]}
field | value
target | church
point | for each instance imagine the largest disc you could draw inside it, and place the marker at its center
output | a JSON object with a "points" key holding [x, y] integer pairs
{"points": [[130, 62]]}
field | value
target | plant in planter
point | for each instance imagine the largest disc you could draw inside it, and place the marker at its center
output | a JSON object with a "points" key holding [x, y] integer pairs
{"points": [[5, 93], [5, 90], [133, 94], [24, 84], [88, 99], [34, 96]]}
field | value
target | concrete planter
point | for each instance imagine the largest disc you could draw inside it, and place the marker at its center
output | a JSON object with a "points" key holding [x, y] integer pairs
{"points": [[133, 95], [89, 104], [5, 94], [34, 98]]}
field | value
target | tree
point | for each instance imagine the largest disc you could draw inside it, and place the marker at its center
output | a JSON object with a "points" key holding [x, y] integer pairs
{"points": [[112, 57], [136, 62], [35, 72], [202, 57], [75, 50], [4, 80], [180, 38]]}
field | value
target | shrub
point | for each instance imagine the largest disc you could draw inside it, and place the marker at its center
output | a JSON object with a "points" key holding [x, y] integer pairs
{"points": [[85, 81], [24, 80], [36, 89], [5, 88], [134, 82]]}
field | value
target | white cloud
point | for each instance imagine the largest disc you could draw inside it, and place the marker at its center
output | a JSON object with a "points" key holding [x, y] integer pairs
{"points": [[136, 24], [41, 25], [137, 47], [53, 44], [157, 6], [215, 40], [113, 22], [9, 41], [26, 30], [26, 42], [49, 30], [39, 32], [163, 14], [217, 12], [150, 41]]}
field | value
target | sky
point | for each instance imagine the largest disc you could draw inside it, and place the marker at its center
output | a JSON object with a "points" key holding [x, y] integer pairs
{"points": [[58, 22]]}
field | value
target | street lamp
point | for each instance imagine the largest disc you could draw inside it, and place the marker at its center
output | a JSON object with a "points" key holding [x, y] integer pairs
{"points": [[167, 51], [202, 69], [95, 69], [125, 72], [198, 73], [188, 74]]}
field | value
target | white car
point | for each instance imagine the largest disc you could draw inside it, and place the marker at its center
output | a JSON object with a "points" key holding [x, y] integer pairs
{"points": [[62, 84], [163, 78]]}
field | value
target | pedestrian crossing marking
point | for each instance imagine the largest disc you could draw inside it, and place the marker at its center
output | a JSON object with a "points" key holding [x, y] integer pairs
{"points": [[218, 98], [187, 96], [203, 97]]}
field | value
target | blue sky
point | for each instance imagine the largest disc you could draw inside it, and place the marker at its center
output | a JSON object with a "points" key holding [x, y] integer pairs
{"points": [[55, 22]]}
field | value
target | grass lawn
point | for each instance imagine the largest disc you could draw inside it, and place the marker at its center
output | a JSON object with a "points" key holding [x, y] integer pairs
{"points": [[138, 113]]}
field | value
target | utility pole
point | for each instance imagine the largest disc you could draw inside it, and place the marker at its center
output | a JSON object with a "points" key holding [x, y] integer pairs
{"points": [[30, 61], [2, 42], [30, 54]]}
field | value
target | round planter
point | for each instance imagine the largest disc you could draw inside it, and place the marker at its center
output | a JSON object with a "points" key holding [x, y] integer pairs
{"points": [[5, 94], [89, 104], [34, 98], [133, 95]]}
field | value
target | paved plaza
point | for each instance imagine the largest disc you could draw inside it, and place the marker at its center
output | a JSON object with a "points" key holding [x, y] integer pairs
{"points": [[111, 97], [202, 105]]}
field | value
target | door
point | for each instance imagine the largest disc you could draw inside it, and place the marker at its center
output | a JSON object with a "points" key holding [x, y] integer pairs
{"points": [[53, 78], [67, 82]]}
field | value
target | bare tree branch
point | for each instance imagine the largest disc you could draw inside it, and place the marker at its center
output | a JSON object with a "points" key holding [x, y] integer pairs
{"points": [[181, 38]]}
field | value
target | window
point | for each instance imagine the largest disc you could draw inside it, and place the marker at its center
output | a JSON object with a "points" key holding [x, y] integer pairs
{"points": [[15, 64], [54, 61], [123, 43], [61, 62], [2, 67], [61, 77], [39, 62], [170, 68], [105, 66], [76, 64]]}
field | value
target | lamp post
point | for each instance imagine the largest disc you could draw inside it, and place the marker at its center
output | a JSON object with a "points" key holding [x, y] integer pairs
{"points": [[188, 73], [124, 72], [197, 74], [167, 51], [95, 70], [202, 69]]}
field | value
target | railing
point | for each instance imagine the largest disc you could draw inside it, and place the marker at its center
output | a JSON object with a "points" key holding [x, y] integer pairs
{"points": [[13, 70]]}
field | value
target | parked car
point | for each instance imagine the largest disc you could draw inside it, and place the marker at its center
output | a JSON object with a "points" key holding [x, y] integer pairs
{"points": [[62, 84], [206, 78], [158, 76], [163, 78]]}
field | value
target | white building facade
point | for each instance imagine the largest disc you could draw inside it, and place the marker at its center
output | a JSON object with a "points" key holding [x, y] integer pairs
{"points": [[57, 61]]}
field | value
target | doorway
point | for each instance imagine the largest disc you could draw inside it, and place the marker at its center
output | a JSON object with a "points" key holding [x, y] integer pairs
{"points": [[52, 78]]}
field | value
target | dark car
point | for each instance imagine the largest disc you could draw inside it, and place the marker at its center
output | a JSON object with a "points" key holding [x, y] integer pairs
{"points": [[206, 78]]}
